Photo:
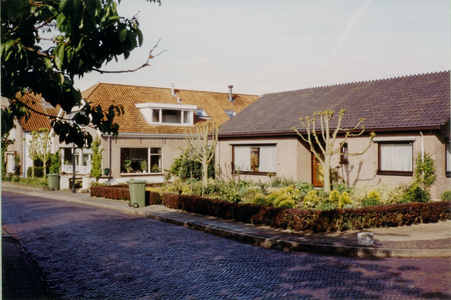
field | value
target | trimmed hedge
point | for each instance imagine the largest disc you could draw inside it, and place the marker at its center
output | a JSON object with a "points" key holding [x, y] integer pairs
{"points": [[121, 192], [314, 220]]}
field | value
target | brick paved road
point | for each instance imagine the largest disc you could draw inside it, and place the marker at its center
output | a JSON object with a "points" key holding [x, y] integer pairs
{"points": [[86, 252]]}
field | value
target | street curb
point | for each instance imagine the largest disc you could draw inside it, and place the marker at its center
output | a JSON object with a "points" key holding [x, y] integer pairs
{"points": [[276, 244], [284, 245]]}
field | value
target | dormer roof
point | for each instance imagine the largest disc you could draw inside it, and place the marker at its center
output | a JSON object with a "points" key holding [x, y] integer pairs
{"points": [[132, 121]]}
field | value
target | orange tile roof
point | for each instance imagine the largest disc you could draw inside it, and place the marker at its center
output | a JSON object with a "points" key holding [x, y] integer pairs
{"points": [[39, 114], [133, 121]]}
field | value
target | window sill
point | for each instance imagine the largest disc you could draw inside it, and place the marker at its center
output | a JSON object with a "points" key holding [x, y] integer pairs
{"points": [[256, 173], [140, 174], [395, 173]]}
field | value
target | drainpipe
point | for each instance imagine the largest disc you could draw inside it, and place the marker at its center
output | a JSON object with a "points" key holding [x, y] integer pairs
{"points": [[422, 152]]}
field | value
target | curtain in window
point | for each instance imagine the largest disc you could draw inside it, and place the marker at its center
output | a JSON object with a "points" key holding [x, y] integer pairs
{"points": [[268, 159], [396, 157], [242, 158]]}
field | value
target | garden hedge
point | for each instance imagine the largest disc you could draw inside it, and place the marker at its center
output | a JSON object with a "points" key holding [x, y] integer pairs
{"points": [[121, 192], [314, 220]]}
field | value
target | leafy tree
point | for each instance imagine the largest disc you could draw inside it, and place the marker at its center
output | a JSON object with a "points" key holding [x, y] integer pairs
{"points": [[33, 149], [325, 141], [425, 171], [203, 151], [45, 44], [44, 147], [96, 167]]}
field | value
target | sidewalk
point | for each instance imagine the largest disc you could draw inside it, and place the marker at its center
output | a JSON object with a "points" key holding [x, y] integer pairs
{"points": [[423, 240]]}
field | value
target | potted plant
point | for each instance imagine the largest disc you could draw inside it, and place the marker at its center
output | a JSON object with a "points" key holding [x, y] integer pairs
{"points": [[155, 169], [127, 165], [143, 165]]}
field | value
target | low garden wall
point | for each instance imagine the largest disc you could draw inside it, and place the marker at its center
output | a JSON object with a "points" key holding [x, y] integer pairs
{"points": [[292, 218]]}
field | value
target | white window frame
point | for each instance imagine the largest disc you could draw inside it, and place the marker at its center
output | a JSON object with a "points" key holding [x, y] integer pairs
{"points": [[242, 158], [402, 165], [10, 163], [186, 112], [149, 156]]}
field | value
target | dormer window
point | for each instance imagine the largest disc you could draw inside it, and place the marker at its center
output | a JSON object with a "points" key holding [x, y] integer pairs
{"points": [[171, 114], [201, 113], [230, 113]]}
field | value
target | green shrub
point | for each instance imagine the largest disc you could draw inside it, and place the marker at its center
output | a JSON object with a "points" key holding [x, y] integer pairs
{"points": [[312, 199], [414, 193], [38, 172], [446, 195], [260, 199], [342, 188], [279, 199], [424, 171], [370, 202], [304, 187], [287, 204], [344, 200], [55, 163], [334, 196], [375, 195], [327, 206]]}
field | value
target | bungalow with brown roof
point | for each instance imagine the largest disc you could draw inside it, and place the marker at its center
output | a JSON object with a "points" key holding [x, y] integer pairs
{"points": [[409, 114], [152, 129]]}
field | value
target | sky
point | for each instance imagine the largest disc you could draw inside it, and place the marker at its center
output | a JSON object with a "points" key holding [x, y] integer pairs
{"points": [[262, 46]]}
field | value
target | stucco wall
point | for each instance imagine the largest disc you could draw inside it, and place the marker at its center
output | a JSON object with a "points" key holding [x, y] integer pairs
{"points": [[170, 151], [294, 159]]}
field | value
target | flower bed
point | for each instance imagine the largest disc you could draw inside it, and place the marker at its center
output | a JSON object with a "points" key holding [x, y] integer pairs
{"points": [[314, 220]]}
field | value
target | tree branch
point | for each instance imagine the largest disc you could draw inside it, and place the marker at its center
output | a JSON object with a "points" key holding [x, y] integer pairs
{"points": [[146, 64]]}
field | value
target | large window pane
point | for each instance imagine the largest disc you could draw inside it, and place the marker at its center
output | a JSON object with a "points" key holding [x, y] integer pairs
{"points": [[187, 117], [396, 157], [255, 158], [172, 116], [133, 159], [155, 160]]}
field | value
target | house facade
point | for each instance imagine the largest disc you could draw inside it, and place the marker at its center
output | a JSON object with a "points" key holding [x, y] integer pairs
{"points": [[152, 129], [21, 134], [410, 116]]}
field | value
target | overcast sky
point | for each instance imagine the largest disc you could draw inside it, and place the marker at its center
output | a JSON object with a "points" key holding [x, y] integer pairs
{"points": [[262, 46]]}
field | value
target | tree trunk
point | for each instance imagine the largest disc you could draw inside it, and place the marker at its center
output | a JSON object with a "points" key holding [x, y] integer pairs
{"points": [[32, 170], [326, 170], [204, 175]]}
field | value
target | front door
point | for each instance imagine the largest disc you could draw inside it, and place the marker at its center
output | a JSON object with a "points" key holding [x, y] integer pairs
{"points": [[318, 172]]}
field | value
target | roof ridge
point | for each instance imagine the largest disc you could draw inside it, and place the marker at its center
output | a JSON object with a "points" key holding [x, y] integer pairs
{"points": [[163, 88], [356, 82]]}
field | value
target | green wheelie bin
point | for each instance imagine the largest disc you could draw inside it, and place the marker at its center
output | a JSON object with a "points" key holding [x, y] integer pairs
{"points": [[137, 193], [53, 181]]}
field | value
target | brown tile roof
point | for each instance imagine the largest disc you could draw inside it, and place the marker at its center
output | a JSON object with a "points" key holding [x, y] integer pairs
{"points": [[39, 117], [396, 103], [134, 122]]}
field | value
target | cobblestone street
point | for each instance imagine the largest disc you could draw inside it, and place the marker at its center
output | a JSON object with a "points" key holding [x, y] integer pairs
{"points": [[87, 252]]}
